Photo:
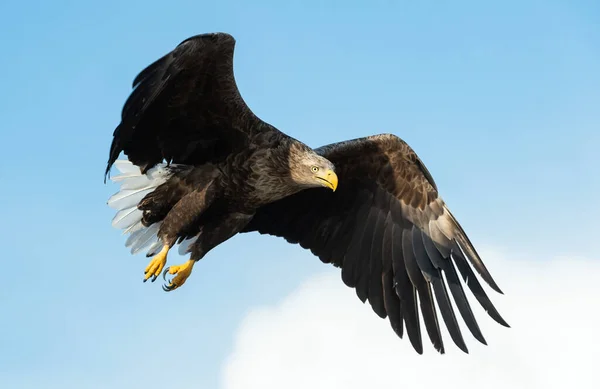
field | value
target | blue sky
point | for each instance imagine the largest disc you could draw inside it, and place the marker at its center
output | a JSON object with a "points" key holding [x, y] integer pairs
{"points": [[500, 101]]}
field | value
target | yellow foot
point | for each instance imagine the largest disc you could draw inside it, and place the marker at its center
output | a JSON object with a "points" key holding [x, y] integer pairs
{"points": [[156, 265], [182, 273]]}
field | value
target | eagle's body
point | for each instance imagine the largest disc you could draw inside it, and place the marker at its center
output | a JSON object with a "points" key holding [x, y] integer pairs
{"points": [[202, 168]]}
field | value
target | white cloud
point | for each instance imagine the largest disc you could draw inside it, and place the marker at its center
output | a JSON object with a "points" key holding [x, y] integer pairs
{"points": [[321, 336]]}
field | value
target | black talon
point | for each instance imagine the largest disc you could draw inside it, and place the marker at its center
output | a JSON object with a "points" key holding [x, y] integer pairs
{"points": [[168, 288], [165, 273], [154, 278]]}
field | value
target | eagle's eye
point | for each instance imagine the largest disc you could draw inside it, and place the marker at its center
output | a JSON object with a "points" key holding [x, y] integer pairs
{"points": [[314, 169]]}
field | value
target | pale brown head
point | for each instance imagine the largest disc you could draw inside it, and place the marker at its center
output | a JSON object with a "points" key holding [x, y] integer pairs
{"points": [[310, 170]]}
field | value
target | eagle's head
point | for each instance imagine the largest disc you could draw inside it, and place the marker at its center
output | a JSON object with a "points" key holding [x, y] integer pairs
{"points": [[308, 169]]}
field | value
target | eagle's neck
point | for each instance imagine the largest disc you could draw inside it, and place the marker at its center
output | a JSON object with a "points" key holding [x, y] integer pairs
{"points": [[270, 177]]}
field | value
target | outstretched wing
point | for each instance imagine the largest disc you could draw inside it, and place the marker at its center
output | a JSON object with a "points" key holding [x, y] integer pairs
{"points": [[186, 108], [392, 235]]}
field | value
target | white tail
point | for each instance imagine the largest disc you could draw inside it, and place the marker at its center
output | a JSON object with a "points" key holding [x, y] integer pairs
{"points": [[134, 187]]}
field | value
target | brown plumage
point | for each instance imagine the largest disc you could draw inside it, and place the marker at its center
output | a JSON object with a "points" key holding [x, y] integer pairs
{"points": [[208, 168]]}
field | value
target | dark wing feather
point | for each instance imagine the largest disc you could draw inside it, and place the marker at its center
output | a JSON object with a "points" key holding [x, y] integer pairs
{"points": [[375, 271], [391, 301], [393, 237], [186, 108]]}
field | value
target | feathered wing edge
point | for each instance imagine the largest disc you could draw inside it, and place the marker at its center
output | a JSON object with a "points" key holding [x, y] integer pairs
{"points": [[196, 78], [148, 85], [417, 267]]}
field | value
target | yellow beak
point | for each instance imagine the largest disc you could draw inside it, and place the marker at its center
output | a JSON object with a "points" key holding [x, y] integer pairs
{"points": [[328, 178]]}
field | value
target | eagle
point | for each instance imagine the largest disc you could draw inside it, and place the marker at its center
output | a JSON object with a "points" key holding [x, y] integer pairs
{"points": [[201, 167]]}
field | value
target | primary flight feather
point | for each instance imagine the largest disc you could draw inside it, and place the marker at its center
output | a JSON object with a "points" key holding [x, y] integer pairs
{"points": [[201, 167]]}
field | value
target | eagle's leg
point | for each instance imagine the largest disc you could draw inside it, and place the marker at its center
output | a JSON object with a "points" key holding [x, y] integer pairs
{"points": [[156, 265], [212, 235], [180, 217]]}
